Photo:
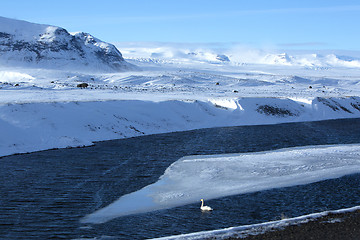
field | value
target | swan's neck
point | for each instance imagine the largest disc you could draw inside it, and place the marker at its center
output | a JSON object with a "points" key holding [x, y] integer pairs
{"points": [[202, 203]]}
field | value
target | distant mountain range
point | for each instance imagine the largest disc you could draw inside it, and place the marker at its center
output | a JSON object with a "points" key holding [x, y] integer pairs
{"points": [[233, 54], [28, 44], [25, 44]]}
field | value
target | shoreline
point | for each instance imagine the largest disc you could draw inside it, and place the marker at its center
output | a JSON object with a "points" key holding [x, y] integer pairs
{"points": [[334, 225], [343, 224], [92, 143]]}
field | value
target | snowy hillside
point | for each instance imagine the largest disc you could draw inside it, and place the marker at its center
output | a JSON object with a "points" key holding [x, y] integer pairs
{"points": [[180, 87], [37, 45], [27, 127]]}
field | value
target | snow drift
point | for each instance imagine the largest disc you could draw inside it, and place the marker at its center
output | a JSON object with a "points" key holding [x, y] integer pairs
{"points": [[37, 45]]}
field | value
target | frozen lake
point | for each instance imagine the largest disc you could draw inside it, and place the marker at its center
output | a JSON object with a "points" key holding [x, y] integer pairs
{"points": [[45, 194]]}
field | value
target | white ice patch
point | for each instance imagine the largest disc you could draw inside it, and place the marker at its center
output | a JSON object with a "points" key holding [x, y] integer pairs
{"points": [[191, 178]]}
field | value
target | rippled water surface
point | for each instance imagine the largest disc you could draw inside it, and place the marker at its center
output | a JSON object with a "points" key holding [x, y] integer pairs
{"points": [[44, 194]]}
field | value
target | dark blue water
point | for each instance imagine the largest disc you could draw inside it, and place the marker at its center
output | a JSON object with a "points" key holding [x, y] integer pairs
{"points": [[44, 194]]}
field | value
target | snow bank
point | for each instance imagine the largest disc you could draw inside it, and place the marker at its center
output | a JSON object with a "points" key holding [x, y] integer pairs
{"points": [[11, 76], [28, 127], [191, 178], [40, 125]]}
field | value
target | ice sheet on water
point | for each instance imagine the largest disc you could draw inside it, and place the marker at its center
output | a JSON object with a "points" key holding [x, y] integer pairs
{"points": [[194, 177]]}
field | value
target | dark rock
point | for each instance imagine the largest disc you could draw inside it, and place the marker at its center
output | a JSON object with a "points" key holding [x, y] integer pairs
{"points": [[82, 85], [223, 58], [275, 111]]}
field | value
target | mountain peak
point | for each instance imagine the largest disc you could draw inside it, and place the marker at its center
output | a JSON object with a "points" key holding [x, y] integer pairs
{"points": [[39, 45]]}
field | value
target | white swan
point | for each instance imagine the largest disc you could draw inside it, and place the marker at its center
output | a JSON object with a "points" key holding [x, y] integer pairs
{"points": [[204, 208]]}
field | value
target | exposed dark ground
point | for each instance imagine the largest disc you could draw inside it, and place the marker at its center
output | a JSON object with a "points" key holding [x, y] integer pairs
{"points": [[334, 226]]}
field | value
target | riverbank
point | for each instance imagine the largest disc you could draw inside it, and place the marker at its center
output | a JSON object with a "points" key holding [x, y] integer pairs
{"points": [[334, 226], [343, 224], [29, 127]]}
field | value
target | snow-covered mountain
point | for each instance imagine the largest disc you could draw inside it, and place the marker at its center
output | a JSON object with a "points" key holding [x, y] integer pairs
{"points": [[44, 46], [173, 53]]}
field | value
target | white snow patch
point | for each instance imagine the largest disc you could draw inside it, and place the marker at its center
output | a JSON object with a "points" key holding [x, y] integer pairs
{"points": [[226, 103], [9, 76], [306, 101]]}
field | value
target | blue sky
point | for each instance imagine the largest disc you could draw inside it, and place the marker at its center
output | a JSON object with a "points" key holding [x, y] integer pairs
{"points": [[304, 24]]}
